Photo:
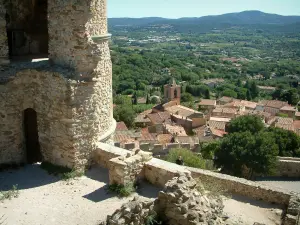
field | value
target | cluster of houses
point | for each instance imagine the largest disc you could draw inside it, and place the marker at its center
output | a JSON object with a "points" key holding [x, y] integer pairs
{"points": [[171, 122]]}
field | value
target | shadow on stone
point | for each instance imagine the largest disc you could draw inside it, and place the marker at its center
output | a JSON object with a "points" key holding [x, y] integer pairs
{"points": [[29, 176], [254, 202], [98, 173], [147, 190]]}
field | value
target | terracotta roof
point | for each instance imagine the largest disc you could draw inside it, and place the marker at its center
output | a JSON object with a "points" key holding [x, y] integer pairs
{"points": [[159, 118], [285, 126], [121, 126], [143, 117], [262, 102], [164, 138], [296, 124], [218, 133], [282, 120], [276, 104], [258, 113], [209, 102], [200, 130], [181, 110], [226, 99], [175, 130], [123, 137], [148, 137], [249, 104], [219, 125], [288, 108]]}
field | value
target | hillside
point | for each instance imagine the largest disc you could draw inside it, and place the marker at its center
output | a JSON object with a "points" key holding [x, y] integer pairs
{"points": [[245, 18]]}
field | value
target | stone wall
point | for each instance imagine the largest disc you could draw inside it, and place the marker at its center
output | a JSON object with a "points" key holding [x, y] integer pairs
{"points": [[288, 167], [129, 169], [48, 94], [3, 36]]}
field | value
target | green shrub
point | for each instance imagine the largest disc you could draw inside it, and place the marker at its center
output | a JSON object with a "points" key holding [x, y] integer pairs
{"points": [[122, 190], [153, 220], [190, 158], [13, 193]]}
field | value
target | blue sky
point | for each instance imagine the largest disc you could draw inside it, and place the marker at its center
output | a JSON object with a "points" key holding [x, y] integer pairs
{"points": [[197, 8]]}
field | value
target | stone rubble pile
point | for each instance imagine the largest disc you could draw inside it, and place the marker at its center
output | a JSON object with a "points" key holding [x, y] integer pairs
{"points": [[182, 204], [179, 204], [134, 213]]}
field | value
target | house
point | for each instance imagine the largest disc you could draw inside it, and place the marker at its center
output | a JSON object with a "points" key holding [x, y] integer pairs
{"points": [[142, 120], [175, 130], [225, 112], [159, 118], [186, 117], [207, 105], [218, 123], [272, 106], [212, 83], [288, 110], [225, 100], [267, 89]]}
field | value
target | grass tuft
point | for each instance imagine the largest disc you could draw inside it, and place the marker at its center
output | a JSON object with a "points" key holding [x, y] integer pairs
{"points": [[122, 190], [63, 172], [13, 193]]}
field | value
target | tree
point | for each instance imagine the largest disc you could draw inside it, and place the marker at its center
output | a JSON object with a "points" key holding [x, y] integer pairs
{"points": [[238, 151], [287, 141], [187, 97], [209, 150], [253, 124], [207, 94], [147, 99], [124, 113], [248, 95], [229, 93]]}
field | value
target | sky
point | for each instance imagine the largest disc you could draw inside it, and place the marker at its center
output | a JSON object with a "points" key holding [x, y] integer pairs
{"points": [[197, 8]]}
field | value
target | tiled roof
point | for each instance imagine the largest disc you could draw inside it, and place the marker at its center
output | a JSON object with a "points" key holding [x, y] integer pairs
{"points": [[219, 125], [164, 138], [296, 124], [143, 117], [249, 104], [181, 110], [276, 104], [297, 114], [288, 108], [208, 102], [258, 113], [262, 102], [226, 99], [218, 133], [159, 118], [175, 130], [285, 126], [123, 136], [282, 120], [121, 126]]}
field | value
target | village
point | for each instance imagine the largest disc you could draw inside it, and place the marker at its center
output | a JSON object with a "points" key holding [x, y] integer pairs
{"points": [[170, 125]]}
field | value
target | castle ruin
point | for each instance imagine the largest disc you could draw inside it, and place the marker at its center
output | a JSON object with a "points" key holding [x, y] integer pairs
{"points": [[55, 81]]}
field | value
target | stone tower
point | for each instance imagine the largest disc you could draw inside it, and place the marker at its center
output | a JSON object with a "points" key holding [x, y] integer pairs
{"points": [[58, 108], [172, 92]]}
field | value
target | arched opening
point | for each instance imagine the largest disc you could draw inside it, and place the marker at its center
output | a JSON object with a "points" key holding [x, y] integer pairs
{"points": [[32, 145], [27, 29]]}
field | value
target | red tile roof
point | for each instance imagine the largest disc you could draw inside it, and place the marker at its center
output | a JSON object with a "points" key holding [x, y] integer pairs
{"points": [[159, 118], [121, 126], [276, 104], [208, 102]]}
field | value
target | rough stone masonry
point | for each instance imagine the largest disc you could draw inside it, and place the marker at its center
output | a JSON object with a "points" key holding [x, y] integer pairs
{"points": [[71, 92]]}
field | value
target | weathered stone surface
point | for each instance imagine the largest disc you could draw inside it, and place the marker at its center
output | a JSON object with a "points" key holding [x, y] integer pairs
{"points": [[72, 94]]}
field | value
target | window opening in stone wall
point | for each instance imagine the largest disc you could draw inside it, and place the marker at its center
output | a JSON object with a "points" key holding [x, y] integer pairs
{"points": [[27, 29], [32, 145]]}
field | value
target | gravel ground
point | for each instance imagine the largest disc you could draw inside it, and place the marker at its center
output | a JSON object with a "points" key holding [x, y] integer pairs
{"points": [[46, 200]]}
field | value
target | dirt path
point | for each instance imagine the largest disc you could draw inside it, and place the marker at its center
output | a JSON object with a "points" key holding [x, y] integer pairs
{"points": [[45, 200]]}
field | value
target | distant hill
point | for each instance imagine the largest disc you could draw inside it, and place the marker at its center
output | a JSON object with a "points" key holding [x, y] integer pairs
{"points": [[241, 18]]}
